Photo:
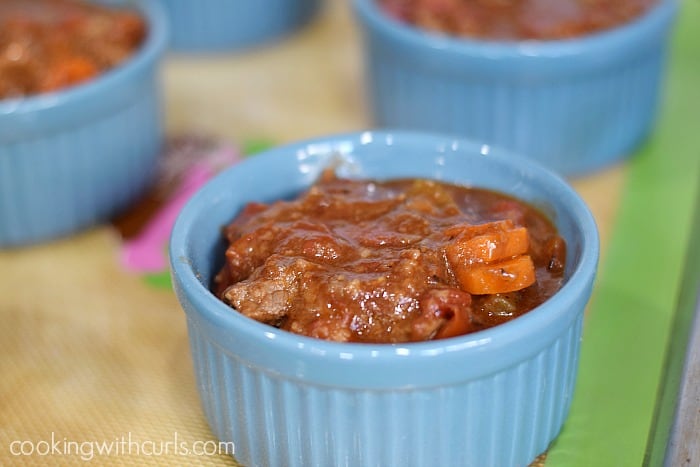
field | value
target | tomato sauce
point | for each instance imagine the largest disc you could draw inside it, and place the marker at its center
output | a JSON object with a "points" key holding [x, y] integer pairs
{"points": [[389, 261], [516, 19], [48, 45]]}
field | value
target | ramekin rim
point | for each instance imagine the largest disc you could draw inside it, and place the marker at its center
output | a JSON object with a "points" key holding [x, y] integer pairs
{"points": [[212, 309]]}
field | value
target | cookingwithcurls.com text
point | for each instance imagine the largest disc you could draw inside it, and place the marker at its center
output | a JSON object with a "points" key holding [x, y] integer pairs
{"points": [[124, 445]]}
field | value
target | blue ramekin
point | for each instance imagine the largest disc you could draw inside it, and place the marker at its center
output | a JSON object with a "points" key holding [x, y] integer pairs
{"points": [[493, 398], [574, 105], [73, 158], [227, 25]]}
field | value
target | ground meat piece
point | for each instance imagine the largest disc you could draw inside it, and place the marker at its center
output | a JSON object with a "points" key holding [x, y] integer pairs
{"points": [[269, 293]]}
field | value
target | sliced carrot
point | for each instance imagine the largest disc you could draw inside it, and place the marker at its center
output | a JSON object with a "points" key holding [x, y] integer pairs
{"points": [[68, 71], [498, 277], [493, 245], [496, 246], [490, 258], [79, 69]]}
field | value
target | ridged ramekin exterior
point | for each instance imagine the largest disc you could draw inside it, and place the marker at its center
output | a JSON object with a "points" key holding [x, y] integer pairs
{"points": [[72, 159], [493, 398], [504, 419], [225, 25], [575, 106]]}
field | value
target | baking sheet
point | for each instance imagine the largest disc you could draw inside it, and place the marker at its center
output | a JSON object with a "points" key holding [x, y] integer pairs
{"points": [[673, 440]]}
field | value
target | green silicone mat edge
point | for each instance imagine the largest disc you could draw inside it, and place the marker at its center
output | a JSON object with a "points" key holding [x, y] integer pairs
{"points": [[630, 314]]}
